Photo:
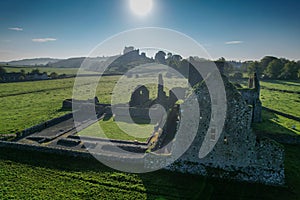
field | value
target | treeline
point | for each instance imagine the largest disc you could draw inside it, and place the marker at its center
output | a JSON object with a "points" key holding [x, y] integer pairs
{"points": [[35, 74], [273, 68], [34, 71]]}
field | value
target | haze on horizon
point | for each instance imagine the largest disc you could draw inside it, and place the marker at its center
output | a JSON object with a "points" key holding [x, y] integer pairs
{"points": [[236, 30]]}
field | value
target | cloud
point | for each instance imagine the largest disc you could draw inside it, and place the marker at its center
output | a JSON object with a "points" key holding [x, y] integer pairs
{"points": [[15, 29], [234, 42], [44, 39]]}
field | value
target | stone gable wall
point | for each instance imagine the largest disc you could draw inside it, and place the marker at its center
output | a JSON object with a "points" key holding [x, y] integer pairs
{"points": [[238, 154]]}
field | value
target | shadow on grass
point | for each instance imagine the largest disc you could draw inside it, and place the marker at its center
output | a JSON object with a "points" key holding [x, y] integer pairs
{"points": [[284, 82], [64, 110], [161, 184], [269, 126], [107, 117]]}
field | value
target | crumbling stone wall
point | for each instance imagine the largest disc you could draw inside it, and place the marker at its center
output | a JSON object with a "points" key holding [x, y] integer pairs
{"points": [[139, 97], [251, 95], [238, 154], [44, 125]]}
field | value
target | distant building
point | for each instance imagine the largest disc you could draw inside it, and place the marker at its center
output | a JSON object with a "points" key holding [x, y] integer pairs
{"points": [[128, 49], [37, 76], [12, 77]]}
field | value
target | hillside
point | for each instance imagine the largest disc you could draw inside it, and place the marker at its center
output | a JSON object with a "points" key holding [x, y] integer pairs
{"points": [[31, 62]]}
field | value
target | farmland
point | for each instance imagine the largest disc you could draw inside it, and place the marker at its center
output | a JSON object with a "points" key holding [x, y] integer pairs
{"points": [[280, 101], [25, 104], [285, 102], [60, 177], [27, 175]]}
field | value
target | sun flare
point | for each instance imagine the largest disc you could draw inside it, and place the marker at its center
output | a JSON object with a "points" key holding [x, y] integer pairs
{"points": [[141, 7]]}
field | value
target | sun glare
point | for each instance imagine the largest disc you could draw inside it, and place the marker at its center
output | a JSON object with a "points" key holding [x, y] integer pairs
{"points": [[141, 7]]}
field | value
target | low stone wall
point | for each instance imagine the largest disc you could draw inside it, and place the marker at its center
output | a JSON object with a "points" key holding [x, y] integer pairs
{"points": [[141, 113], [43, 125], [252, 173], [73, 153], [267, 166], [43, 149]]}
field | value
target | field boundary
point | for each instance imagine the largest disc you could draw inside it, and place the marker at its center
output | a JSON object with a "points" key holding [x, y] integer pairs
{"points": [[280, 90], [43, 125], [36, 91], [282, 114]]}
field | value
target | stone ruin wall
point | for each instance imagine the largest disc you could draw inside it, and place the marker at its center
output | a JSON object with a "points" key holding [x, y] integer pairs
{"points": [[251, 96], [238, 154]]}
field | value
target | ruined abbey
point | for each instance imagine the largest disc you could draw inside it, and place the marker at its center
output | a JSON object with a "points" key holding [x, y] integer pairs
{"points": [[237, 152]]}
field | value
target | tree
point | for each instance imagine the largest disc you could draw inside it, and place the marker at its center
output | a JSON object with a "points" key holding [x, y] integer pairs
{"points": [[221, 59], [274, 69], [177, 58], [21, 78], [238, 75], [35, 71], [245, 66], [53, 75], [160, 57], [2, 70], [290, 70], [228, 68], [254, 67], [22, 72], [265, 61]]}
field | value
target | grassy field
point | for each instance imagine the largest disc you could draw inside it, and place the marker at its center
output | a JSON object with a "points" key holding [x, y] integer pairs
{"points": [[282, 85], [32, 175], [25, 104], [118, 130], [277, 124], [281, 101], [288, 103]]}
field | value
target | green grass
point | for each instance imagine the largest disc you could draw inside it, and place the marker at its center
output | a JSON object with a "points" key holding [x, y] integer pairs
{"points": [[33, 175], [109, 128], [288, 103], [25, 104], [276, 124], [280, 101], [282, 85]]}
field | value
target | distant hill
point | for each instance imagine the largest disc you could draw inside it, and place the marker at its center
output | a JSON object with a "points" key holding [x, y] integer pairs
{"points": [[76, 62], [32, 62], [67, 63]]}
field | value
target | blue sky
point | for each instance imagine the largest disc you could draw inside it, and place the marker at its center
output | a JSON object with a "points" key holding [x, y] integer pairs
{"points": [[234, 29]]}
